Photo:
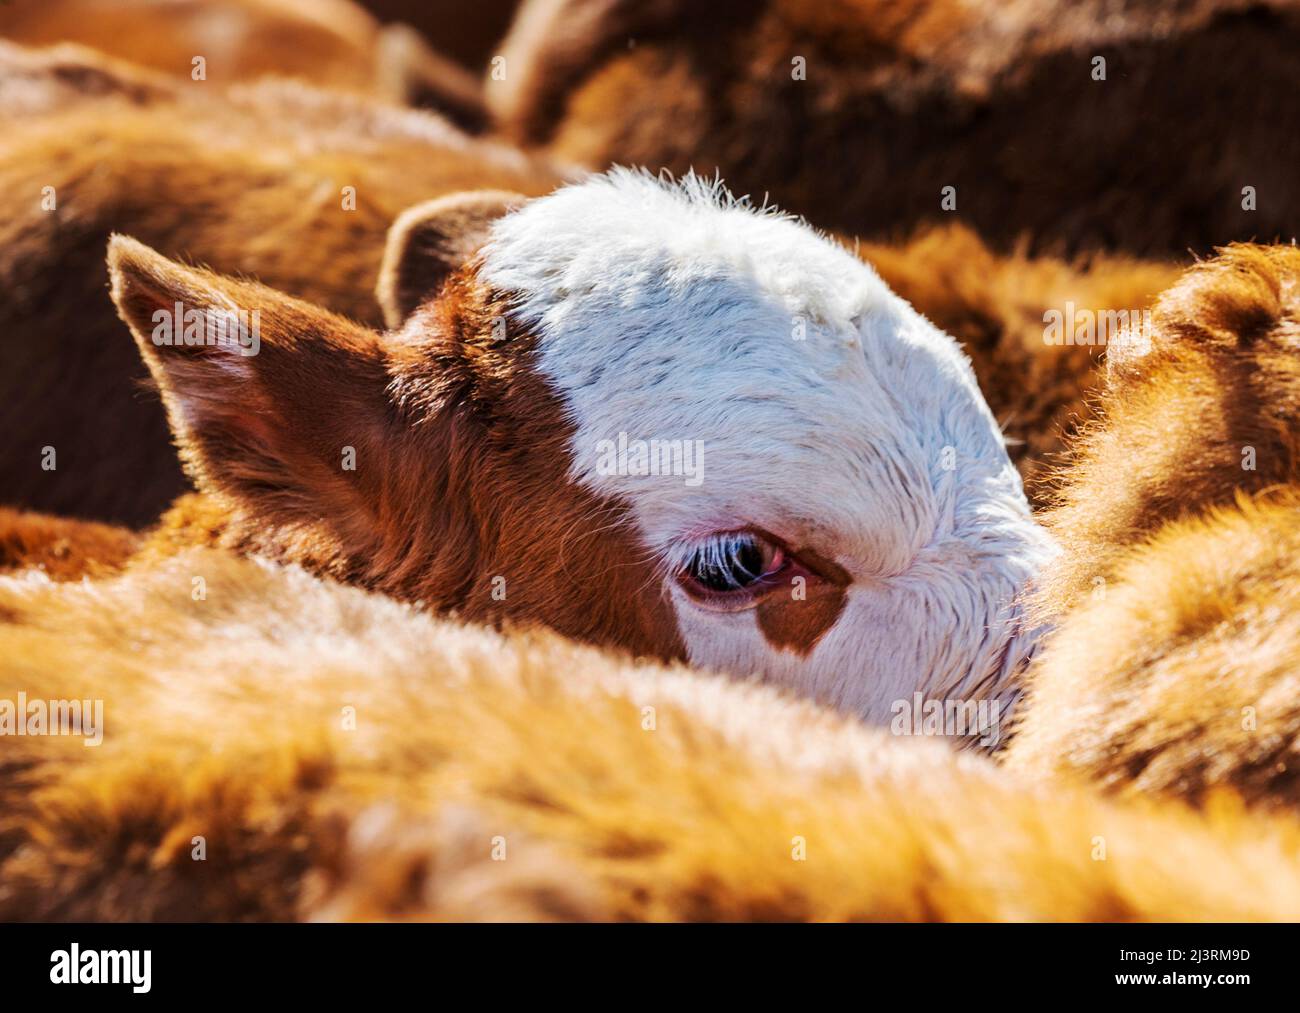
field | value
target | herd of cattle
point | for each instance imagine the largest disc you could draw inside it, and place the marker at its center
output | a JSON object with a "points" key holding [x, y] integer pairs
{"points": [[1000, 413]]}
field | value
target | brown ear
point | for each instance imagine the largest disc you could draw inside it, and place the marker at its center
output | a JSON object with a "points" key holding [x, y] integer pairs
{"points": [[430, 241], [265, 394]]}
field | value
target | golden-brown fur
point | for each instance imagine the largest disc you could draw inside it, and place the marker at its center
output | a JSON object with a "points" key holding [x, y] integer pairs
{"points": [[337, 756], [1177, 592], [63, 549], [1182, 675], [40, 82], [1210, 410], [899, 100], [995, 306], [330, 43]]}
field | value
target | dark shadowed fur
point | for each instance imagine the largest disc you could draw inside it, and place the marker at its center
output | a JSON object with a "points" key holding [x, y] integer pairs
{"points": [[251, 183], [899, 100]]}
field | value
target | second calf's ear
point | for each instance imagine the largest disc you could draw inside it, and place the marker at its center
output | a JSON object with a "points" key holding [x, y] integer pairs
{"points": [[431, 240], [264, 393]]}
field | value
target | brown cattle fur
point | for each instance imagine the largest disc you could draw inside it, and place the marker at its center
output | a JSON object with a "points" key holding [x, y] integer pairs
{"points": [[1178, 589], [470, 33], [63, 549], [342, 757], [1173, 426], [903, 99], [330, 43], [250, 183], [1183, 676], [227, 184], [458, 478], [995, 306]]}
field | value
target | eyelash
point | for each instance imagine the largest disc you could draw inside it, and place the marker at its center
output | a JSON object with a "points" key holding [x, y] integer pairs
{"points": [[721, 572], [723, 557]]}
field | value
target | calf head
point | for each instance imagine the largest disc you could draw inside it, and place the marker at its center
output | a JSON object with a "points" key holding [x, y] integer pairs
{"points": [[640, 412]]}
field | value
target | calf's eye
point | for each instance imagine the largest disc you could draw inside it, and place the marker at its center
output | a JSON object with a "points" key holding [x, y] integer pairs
{"points": [[732, 564]]}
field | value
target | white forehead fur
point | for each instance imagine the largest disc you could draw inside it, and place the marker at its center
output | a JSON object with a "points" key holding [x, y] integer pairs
{"points": [[829, 412]]}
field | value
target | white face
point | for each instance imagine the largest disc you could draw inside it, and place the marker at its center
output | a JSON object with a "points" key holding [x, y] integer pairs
{"points": [[840, 515]]}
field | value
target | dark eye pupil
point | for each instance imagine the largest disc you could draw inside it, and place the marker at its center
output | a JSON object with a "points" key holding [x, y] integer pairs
{"points": [[728, 565]]}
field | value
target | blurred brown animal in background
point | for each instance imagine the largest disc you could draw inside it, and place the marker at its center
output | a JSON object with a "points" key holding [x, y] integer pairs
{"points": [[253, 183], [469, 33], [1176, 665], [328, 43], [997, 307], [293, 185], [858, 113]]}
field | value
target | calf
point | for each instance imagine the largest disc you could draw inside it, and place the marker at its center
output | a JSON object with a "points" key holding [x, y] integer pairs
{"points": [[1074, 122], [642, 414]]}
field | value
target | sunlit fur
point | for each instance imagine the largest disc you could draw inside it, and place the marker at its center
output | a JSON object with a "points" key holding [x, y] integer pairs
{"points": [[343, 757], [335, 44], [1177, 592], [61, 548]]}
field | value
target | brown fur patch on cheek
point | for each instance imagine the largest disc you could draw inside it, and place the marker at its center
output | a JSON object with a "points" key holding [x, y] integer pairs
{"points": [[514, 539], [792, 624]]}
